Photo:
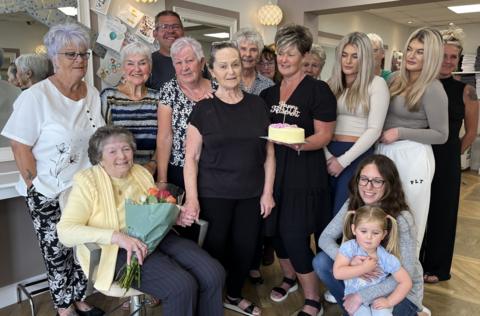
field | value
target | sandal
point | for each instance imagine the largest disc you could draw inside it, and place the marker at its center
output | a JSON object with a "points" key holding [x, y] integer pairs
{"points": [[430, 278], [312, 303], [293, 287], [234, 305], [256, 280]]}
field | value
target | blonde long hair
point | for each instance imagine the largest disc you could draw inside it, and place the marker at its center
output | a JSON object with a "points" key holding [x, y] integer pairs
{"points": [[432, 62], [454, 36], [369, 213], [357, 95]]}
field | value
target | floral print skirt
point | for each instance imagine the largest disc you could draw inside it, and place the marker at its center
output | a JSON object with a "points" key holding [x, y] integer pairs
{"points": [[66, 279]]}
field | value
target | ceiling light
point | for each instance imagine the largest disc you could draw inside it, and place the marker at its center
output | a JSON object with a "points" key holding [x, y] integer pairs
{"points": [[465, 8], [146, 1], [270, 14], [218, 35], [71, 11], [410, 22]]}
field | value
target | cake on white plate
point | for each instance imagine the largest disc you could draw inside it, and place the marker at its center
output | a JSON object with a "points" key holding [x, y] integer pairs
{"points": [[286, 133]]}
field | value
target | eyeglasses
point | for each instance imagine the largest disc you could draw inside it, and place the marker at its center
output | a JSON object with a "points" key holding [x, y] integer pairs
{"points": [[74, 55], [266, 64], [376, 182], [164, 27]]}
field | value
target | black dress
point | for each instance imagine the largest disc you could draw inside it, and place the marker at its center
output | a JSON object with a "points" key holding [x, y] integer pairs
{"points": [[301, 181], [438, 243]]}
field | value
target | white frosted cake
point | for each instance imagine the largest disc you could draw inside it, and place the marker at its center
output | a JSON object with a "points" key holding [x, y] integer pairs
{"points": [[286, 133]]}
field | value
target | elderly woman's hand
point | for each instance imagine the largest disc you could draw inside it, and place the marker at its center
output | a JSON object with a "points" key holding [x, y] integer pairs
{"points": [[184, 218], [191, 208], [267, 203], [131, 245]]}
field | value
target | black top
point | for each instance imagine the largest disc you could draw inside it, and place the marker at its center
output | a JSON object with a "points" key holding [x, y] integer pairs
{"points": [[456, 107], [232, 161], [162, 70], [301, 179]]}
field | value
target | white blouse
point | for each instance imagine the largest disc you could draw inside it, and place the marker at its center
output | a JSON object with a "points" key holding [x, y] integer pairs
{"points": [[58, 129]]}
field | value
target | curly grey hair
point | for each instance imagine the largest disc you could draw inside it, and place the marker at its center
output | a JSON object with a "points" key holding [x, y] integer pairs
{"points": [[100, 138], [187, 41], [249, 35], [135, 48]]}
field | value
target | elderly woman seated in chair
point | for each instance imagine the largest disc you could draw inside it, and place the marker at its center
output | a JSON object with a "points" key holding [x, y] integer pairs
{"points": [[178, 272]]}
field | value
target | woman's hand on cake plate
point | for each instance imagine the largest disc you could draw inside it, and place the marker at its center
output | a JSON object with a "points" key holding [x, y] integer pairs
{"points": [[267, 203], [334, 168]]}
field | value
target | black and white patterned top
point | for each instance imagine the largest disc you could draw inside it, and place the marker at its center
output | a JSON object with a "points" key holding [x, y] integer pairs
{"points": [[261, 83], [172, 96]]}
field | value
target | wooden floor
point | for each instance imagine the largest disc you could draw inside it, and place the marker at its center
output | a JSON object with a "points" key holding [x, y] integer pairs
{"points": [[459, 296]]}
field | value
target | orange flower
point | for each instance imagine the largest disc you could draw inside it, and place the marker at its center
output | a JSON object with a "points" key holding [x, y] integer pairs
{"points": [[152, 191], [171, 199]]}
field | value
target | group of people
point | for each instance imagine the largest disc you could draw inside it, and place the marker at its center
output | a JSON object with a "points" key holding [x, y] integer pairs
{"points": [[365, 170]]}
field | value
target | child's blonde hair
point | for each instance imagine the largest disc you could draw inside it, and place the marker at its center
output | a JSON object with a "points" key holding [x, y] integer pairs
{"points": [[369, 213]]}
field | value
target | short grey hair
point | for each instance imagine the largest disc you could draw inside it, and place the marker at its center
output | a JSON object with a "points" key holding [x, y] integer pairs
{"points": [[296, 35], [65, 34], [136, 48], [187, 41], [249, 35], [36, 64], [376, 39], [319, 52], [100, 138]]}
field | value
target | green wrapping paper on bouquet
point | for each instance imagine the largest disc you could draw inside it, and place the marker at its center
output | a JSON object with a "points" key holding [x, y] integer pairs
{"points": [[149, 220]]}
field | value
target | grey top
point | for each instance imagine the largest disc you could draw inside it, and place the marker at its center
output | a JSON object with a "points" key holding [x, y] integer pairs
{"points": [[408, 253], [429, 125], [259, 84]]}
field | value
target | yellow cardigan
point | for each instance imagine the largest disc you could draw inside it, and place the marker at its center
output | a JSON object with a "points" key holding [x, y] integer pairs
{"points": [[91, 216]]}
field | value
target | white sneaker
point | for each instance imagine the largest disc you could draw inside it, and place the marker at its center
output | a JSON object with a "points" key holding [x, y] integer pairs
{"points": [[426, 311], [320, 312], [329, 297]]}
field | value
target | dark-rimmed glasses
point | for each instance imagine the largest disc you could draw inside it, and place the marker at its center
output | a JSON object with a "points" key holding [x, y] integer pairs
{"points": [[74, 55], [377, 183]]}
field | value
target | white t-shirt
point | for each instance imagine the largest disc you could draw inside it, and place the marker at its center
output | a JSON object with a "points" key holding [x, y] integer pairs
{"points": [[58, 129]]}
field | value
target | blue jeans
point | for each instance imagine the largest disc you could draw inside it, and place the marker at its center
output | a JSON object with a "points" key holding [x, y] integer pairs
{"points": [[323, 266], [339, 185]]}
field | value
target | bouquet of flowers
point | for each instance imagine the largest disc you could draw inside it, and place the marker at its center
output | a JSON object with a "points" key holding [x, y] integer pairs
{"points": [[149, 220]]}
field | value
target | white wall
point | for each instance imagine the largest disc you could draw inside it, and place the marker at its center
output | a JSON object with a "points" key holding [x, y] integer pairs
{"points": [[471, 41], [394, 35], [21, 35]]}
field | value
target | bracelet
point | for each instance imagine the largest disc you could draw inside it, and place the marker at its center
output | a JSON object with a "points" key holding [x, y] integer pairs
{"points": [[162, 181]]}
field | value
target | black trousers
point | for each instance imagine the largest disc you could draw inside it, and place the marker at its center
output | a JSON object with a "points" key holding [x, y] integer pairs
{"points": [[233, 228], [183, 276]]}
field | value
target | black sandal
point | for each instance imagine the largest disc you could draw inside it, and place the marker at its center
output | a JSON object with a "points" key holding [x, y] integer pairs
{"points": [[312, 303], [233, 304], [293, 287]]}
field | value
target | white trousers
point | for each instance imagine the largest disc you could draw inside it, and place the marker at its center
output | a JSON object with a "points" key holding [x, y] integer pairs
{"points": [[370, 311], [416, 165]]}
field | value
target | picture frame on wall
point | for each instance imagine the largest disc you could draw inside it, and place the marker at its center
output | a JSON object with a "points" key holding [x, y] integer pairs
{"points": [[9, 55]]}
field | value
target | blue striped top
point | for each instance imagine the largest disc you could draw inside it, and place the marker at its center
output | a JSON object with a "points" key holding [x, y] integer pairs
{"points": [[138, 116]]}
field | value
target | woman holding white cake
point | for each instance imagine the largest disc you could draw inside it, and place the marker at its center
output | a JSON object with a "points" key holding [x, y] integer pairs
{"points": [[301, 179], [362, 104], [229, 171]]}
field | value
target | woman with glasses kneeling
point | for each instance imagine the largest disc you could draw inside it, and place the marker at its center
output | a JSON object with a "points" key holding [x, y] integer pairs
{"points": [[376, 182], [49, 131], [178, 272]]}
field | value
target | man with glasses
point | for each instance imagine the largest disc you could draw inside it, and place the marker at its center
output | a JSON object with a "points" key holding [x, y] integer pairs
{"points": [[378, 56], [250, 44], [168, 27]]}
